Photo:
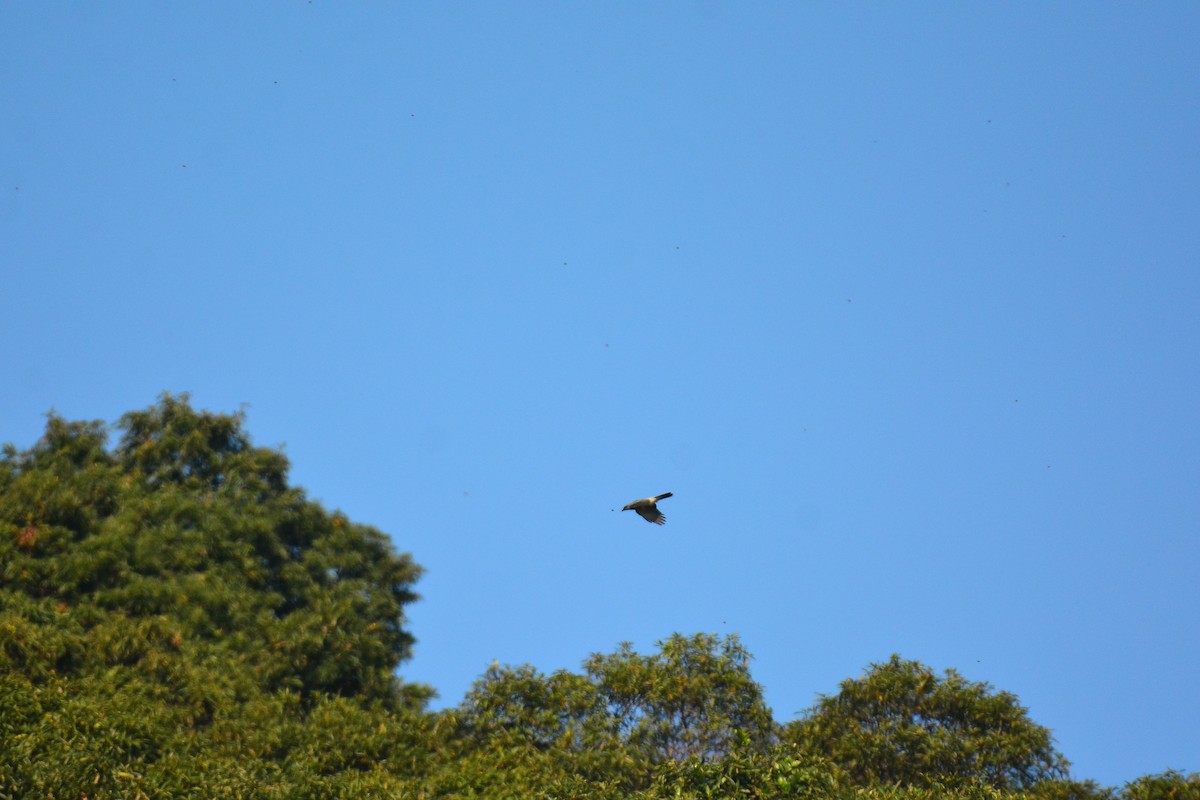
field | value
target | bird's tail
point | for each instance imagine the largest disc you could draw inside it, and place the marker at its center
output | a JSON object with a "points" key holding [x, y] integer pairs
{"points": [[661, 496]]}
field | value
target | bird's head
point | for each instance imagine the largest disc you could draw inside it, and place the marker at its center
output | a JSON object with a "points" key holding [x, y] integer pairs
{"points": [[627, 507]]}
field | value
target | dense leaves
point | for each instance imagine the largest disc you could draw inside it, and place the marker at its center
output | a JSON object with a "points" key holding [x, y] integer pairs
{"points": [[903, 723], [187, 537], [151, 595], [177, 621], [692, 699], [626, 714]]}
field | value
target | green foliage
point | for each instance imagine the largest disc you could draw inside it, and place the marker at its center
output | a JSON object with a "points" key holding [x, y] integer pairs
{"points": [[902, 723], [523, 706], [1170, 785], [188, 524], [153, 599], [691, 699], [613, 724], [748, 771], [1066, 789]]}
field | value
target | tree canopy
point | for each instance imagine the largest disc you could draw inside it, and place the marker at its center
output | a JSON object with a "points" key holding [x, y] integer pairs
{"points": [[188, 533], [903, 723], [178, 621]]}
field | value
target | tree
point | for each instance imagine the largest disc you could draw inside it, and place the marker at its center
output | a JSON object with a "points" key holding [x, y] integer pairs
{"points": [[903, 723], [173, 611], [748, 772], [693, 698], [187, 520], [1170, 785], [1068, 789]]}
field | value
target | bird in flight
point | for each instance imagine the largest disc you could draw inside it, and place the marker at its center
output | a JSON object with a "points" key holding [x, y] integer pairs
{"points": [[647, 509]]}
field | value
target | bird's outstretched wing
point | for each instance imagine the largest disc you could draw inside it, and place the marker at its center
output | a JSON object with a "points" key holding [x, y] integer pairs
{"points": [[651, 513]]}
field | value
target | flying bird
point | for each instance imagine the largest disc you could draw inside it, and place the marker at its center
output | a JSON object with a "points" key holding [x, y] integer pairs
{"points": [[647, 509]]}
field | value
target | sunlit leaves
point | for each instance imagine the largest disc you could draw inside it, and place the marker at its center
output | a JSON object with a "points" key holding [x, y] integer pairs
{"points": [[1170, 785], [903, 723], [691, 698]]}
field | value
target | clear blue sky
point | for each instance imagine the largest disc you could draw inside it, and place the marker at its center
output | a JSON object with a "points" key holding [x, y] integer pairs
{"points": [[901, 301]]}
